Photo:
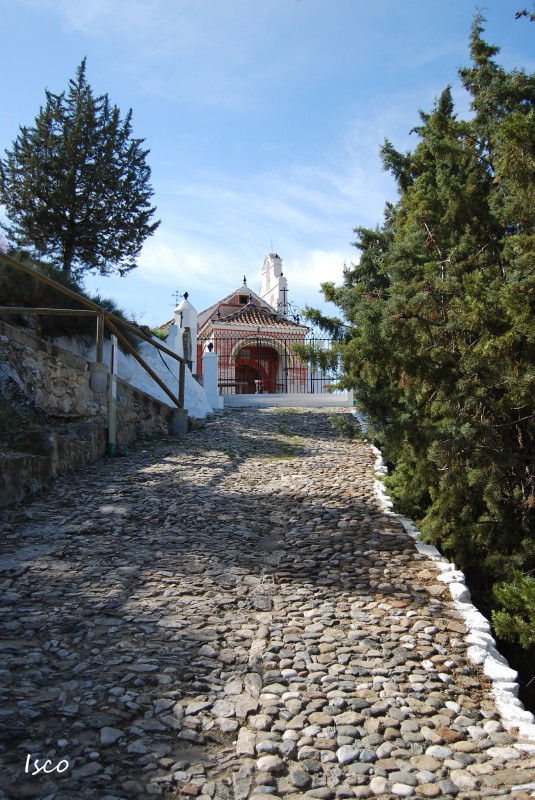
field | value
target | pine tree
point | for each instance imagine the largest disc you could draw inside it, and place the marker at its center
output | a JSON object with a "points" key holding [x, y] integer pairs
{"points": [[75, 185]]}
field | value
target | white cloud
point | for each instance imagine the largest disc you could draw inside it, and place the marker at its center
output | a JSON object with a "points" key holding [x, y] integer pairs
{"points": [[306, 272], [172, 257], [219, 228], [304, 202], [212, 53], [208, 273]]}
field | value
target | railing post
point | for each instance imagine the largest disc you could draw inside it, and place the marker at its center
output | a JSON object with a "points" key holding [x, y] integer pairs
{"points": [[99, 354], [112, 399], [258, 366], [181, 383]]}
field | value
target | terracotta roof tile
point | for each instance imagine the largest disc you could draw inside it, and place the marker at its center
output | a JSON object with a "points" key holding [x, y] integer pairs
{"points": [[251, 315]]}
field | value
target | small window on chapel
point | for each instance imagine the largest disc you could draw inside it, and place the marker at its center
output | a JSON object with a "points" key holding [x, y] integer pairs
{"points": [[244, 299]]}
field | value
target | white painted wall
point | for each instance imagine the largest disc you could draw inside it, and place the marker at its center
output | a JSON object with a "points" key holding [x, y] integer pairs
{"points": [[129, 370]]}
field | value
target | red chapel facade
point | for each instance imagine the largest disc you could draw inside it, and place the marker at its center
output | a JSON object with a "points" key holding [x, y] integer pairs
{"points": [[253, 336]]}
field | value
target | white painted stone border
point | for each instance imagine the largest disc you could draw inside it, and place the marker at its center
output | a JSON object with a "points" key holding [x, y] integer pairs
{"points": [[481, 645], [316, 400]]}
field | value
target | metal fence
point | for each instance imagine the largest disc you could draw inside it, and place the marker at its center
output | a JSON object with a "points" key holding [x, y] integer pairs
{"points": [[266, 363]]}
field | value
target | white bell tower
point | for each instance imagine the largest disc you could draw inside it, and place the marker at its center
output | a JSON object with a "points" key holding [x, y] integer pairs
{"points": [[274, 288]]}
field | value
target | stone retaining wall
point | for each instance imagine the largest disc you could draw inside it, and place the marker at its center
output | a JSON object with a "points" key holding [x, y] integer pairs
{"points": [[51, 386], [52, 379]]}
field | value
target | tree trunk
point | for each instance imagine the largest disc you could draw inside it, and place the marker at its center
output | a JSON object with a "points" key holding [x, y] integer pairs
{"points": [[68, 253]]}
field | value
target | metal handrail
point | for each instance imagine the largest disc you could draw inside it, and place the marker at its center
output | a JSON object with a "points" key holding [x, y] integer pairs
{"points": [[49, 312], [103, 317]]}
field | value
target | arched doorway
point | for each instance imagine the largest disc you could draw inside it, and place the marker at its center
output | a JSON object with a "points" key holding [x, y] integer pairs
{"points": [[257, 368]]}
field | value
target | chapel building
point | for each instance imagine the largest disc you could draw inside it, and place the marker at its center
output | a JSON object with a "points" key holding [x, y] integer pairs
{"points": [[253, 335]]}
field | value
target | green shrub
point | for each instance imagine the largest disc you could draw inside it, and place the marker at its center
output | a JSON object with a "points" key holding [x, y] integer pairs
{"points": [[515, 621], [345, 426]]}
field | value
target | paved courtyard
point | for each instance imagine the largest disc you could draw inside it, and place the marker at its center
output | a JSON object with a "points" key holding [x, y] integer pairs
{"points": [[231, 615]]}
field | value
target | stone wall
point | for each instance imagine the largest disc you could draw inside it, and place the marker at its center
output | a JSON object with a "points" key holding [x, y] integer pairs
{"points": [[66, 421], [139, 414], [129, 370], [52, 379]]}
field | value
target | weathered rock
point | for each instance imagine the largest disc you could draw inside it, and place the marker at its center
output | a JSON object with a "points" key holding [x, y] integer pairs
{"points": [[270, 764], [299, 778], [109, 736], [346, 754]]}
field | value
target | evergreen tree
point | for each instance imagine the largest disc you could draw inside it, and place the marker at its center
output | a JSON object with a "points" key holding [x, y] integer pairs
{"points": [[441, 342], [75, 185]]}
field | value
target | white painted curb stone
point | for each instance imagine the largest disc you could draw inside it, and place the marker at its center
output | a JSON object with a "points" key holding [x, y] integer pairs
{"points": [[482, 647]]}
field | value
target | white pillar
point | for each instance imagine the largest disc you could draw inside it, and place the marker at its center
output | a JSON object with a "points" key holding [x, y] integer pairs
{"points": [[186, 317], [209, 372]]}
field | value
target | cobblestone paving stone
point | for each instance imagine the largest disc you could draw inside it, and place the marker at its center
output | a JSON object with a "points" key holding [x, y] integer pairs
{"points": [[230, 615]]}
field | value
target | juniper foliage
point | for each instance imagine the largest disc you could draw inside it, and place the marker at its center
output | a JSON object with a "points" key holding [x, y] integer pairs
{"points": [[440, 333]]}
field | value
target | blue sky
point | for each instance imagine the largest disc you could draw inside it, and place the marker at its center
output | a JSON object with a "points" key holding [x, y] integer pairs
{"points": [[263, 117]]}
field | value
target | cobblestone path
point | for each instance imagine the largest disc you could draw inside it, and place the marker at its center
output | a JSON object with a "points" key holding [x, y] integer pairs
{"points": [[230, 615]]}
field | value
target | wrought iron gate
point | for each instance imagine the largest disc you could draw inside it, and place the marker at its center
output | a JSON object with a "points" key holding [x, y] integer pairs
{"points": [[263, 363]]}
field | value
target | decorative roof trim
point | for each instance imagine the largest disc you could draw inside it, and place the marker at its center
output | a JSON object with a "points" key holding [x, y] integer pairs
{"points": [[248, 315], [239, 290]]}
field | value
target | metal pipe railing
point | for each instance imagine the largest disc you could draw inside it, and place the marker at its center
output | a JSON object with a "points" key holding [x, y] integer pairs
{"points": [[126, 344], [103, 318], [52, 312]]}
